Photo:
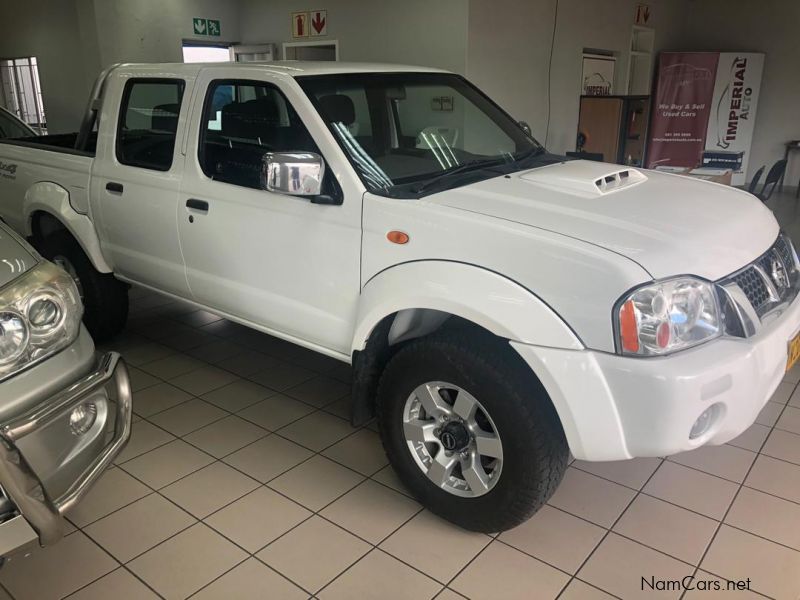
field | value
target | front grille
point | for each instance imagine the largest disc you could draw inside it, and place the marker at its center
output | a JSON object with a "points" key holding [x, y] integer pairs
{"points": [[754, 287], [785, 251], [770, 281]]}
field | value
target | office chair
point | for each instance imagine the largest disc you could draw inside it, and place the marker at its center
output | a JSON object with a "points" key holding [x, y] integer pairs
{"points": [[756, 178], [773, 177]]}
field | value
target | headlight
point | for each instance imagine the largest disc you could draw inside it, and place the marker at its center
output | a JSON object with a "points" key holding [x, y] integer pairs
{"points": [[40, 314], [666, 316]]}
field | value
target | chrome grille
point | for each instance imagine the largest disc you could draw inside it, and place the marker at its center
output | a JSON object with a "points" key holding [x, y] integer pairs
{"points": [[761, 288], [754, 287], [785, 250]]}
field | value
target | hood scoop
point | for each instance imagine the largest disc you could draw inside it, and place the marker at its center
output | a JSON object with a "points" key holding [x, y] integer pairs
{"points": [[585, 178]]}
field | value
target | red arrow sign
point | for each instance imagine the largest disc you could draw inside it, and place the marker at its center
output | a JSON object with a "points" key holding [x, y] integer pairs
{"points": [[318, 22]]}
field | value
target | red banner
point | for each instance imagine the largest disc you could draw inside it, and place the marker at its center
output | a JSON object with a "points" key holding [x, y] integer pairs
{"points": [[681, 109]]}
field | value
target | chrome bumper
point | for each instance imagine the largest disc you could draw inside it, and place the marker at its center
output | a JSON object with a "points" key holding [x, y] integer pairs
{"points": [[42, 514]]}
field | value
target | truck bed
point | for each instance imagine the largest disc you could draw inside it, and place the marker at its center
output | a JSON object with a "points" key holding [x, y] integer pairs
{"points": [[62, 142], [50, 161]]}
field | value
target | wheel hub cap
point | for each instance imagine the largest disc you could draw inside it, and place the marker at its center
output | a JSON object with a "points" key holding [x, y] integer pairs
{"points": [[453, 439]]}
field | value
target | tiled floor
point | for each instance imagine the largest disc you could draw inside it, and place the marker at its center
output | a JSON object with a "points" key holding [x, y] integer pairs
{"points": [[244, 480]]}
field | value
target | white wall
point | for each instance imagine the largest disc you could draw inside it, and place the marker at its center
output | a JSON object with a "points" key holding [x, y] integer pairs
{"points": [[509, 48], [423, 32], [772, 27], [73, 40], [502, 45], [153, 30]]}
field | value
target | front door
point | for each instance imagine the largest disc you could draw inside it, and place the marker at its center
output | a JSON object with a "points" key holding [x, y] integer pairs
{"points": [[278, 262], [136, 182]]}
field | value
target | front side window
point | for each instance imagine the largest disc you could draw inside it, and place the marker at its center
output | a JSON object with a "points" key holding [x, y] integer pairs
{"points": [[242, 121], [148, 123], [402, 130]]}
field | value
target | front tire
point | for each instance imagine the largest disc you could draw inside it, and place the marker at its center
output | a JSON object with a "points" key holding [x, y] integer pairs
{"points": [[105, 298], [470, 431]]}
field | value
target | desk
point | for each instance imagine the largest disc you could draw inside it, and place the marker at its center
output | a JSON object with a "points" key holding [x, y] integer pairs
{"points": [[722, 176]]}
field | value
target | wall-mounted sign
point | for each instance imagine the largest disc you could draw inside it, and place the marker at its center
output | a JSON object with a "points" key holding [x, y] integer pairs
{"points": [[642, 15], [309, 23], [209, 27], [319, 22], [598, 75], [300, 24]]}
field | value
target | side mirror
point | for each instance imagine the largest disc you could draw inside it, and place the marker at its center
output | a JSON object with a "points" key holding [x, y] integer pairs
{"points": [[526, 128], [293, 173]]}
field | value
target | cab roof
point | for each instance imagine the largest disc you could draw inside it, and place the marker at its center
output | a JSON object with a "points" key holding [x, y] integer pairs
{"points": [[292, 68]]}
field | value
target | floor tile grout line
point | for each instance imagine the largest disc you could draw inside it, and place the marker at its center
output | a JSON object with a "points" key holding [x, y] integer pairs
{"points": [[644, 492], [609, 530], [114, 558], [592, 585], [733, 501], [158, 491], [638, 492], [370, 478]]}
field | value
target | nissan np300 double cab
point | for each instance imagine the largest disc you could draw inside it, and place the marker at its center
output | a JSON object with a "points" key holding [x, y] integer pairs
{"points": [[500, 305]]}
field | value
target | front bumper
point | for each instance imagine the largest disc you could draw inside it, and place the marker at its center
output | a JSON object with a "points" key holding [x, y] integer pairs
{"points": [[614, 407], [45, 469]]}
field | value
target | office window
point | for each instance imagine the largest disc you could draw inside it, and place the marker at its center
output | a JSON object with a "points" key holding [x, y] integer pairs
{"points": [[21, 91]]}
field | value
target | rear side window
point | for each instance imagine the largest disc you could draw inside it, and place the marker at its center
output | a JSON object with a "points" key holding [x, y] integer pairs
{"points": [[148, 122], [242, 121]]}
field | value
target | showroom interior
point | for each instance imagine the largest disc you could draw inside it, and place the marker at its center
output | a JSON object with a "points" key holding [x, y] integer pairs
{"points": [[262, 459]]}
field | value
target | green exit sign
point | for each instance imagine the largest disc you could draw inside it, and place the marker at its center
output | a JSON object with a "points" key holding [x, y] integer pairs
{"points": [[206, 27]]}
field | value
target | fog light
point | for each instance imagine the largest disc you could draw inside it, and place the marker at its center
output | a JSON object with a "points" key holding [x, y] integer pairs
{"points": [[705, 421], [82, 418]]}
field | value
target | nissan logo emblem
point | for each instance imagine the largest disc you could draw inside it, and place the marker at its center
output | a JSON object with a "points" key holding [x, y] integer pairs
{"points": [[448, 440]]}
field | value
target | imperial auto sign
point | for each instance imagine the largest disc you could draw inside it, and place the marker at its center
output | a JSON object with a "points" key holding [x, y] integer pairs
{"points": [[704, 111], [734, 105]]}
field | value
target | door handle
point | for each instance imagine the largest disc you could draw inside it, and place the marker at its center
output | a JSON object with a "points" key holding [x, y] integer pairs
{"points": [[114, 188], [196, 204]]}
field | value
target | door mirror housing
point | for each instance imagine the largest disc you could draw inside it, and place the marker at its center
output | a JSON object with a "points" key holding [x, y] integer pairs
{"points": [[293, 173]]}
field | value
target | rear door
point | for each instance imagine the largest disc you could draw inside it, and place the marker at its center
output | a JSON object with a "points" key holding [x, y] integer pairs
{"points": [[278, 262], [136, 179]]}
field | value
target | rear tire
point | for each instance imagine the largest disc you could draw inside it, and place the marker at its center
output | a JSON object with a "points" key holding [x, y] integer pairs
{"points": [[513, 407], [105, 298]]}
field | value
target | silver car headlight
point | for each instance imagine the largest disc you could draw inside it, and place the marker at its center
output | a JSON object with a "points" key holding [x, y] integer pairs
{"points": [[40, 314], [666, 316]]}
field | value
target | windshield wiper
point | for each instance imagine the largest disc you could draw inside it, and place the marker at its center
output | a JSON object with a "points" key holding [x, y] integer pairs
{"points": [[536, 151], [473, 165]]}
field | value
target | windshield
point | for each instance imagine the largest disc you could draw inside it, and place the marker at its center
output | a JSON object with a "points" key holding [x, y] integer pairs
{"points": [[404, 131], [12, 127]]}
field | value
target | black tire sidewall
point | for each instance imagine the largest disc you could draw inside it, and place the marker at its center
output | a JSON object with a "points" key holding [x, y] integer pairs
{"points": [[517, 413], [105, 299]]}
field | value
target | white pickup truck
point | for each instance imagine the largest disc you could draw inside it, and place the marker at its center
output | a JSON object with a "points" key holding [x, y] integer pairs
{"points": [[501, 306]]}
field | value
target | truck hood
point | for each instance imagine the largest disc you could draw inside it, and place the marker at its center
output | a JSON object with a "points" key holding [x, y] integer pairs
{"points": [[15, 256], [669, 224]]}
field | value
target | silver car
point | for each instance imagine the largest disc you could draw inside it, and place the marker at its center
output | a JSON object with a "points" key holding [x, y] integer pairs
{"points": [[65, 412], [12, 127]]}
